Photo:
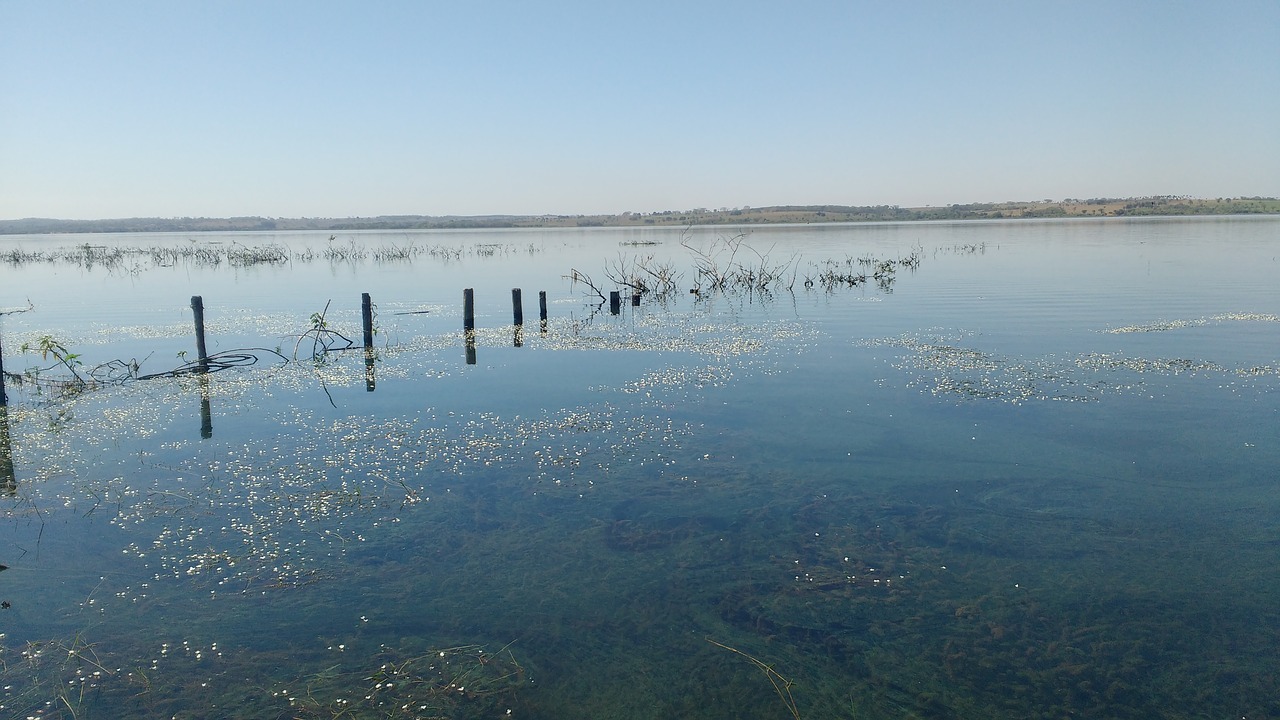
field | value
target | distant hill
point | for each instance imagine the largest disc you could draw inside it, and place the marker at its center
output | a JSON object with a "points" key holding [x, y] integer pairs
{"points": [[1097, 207]]}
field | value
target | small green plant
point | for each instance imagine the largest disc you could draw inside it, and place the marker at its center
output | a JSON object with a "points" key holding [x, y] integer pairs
{"points": [[781, 685], [323, 339], [48, 346]]}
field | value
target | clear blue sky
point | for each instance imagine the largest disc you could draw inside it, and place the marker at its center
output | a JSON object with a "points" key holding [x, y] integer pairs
{"points": [[336, 109]]}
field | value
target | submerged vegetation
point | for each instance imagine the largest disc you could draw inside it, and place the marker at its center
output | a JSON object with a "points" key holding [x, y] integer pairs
{"points": [[730, 265], [734, 507], [212, 254]]}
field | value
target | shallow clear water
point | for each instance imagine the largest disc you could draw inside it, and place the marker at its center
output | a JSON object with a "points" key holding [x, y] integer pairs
{"points": [[1032, 476]]}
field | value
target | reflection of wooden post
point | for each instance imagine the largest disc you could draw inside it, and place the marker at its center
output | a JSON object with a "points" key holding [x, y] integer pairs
{"points": [[8, 483], [3, 398], [615, 302], [635, 300], [206, 415], [469, 310], [542, 309], [370, 381], [202, 354], [366, 314], [471, 349]]}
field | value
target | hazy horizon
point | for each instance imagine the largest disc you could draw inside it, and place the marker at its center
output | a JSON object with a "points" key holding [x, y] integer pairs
{"points": [[292, 110], [572, 214]]}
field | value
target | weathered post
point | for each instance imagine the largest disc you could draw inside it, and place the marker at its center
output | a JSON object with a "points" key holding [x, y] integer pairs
{"points": [[615, 302], [469, 323], [469, 311], [366, 314], [366, 317], [517, 307], [542, 309], [202, 354]]}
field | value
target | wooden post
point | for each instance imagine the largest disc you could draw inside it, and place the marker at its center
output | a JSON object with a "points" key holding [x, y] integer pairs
{"points": [[469, 310], [615, 302], [202, 354], [366, 314], [542, 309], [517, 307], [366, 317]]}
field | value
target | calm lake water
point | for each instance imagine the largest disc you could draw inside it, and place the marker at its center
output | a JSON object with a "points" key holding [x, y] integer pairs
{"points": [[1018, 470]]}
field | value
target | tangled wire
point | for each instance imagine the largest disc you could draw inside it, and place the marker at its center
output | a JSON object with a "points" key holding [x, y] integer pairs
{"points": [[241, 357]]}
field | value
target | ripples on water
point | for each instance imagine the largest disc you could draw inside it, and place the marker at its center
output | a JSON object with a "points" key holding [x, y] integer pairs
{"points": [[1031, 477]]}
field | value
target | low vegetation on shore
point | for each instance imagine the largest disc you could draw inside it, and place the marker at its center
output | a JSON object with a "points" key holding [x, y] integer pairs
{"points": [[1095, 207]]}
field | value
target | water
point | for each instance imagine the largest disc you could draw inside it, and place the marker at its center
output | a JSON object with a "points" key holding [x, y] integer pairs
{"points": [[1033, 476]]}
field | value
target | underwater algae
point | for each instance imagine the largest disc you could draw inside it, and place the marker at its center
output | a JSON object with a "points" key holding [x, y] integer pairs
{"points": [[938, 534]]}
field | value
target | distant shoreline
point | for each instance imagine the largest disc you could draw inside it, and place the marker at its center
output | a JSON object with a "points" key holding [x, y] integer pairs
{"points": [[1163, 205]]}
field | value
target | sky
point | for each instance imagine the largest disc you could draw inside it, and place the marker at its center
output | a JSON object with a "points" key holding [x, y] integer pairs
{"points": [[352, 109]]}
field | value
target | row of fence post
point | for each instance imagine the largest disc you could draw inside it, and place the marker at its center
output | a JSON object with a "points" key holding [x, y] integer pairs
{"points": [[8, 483], [366, 312]]}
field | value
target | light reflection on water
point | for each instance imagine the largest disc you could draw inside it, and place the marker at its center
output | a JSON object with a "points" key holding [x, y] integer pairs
{"points": [[1035, 478]]}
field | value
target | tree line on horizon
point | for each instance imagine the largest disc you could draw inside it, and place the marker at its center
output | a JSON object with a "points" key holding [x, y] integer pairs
{"points": [[1094, 207]]}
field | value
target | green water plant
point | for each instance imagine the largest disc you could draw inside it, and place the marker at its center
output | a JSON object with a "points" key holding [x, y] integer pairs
{"points": [[49, 346], [324, 339], [463, 681], [781, 685]]}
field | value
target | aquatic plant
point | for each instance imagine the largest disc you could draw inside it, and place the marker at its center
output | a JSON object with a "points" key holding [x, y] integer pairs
{"points": [[644, 274], [324, 339], [781, 685], [718, 267], [462, 681]]}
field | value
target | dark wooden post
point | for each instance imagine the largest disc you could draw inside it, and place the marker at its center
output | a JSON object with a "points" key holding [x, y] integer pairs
{"points": [[202, 354], [542, 309], [517, 315], [615, 302], [366, 314], [469, 310]]}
